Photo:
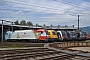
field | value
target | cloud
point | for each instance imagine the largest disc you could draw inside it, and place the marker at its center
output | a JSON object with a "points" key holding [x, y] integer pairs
{"points": [[47, 7], [46, 11], [86, 0]]}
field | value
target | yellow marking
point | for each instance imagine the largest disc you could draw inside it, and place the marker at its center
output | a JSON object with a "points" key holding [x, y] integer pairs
{"points": [[18, 35], [37, 35]]}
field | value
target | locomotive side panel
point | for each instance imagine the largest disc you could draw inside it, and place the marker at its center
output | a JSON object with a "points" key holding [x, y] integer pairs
{"points": [[53, 35], [23, 35], [44, 34], [62, 35]]}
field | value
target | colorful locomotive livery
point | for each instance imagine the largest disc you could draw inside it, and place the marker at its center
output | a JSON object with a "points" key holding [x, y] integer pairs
{"points": [[43, 35], [22, 35], [62, 35]]}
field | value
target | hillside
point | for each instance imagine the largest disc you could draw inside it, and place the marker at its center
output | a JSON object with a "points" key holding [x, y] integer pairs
{"points": [[86, 29]]}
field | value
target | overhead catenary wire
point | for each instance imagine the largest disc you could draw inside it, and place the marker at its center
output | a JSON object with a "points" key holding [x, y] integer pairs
{"points": [[31, 4], [68, 3], [74, 5], [9, 9], [44, 6], [50, 9]]}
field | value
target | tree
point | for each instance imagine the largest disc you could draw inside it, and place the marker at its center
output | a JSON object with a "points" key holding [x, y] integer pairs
{"points": [[16, 22], [29, 23], [51, 25], [58, 26], [44, 25], [37, 25], [23, 22]]}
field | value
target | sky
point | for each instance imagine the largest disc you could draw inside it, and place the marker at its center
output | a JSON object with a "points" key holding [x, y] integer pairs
{"points": [[48, 12]]}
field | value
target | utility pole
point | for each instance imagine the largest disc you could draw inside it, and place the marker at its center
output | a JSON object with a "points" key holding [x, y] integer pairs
{"points": [[2, 30], [78, 22], [12, 26]]}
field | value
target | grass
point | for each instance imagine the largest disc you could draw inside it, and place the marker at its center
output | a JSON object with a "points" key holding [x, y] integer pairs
{"points": [[13, 46], [87, 41]]}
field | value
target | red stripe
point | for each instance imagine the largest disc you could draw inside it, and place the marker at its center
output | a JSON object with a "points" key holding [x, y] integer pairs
{"points": [[88, 35]]}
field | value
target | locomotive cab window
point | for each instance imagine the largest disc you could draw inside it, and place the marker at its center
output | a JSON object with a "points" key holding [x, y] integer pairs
{"points": [[54, 33], [41, 32], [48, 33], [63, 33], [59, 35]]}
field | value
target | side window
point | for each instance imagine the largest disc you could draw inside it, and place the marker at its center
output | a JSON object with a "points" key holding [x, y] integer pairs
{"points": [[59, 35], [54, 33], [48, 33], [6, 34], [63, 33], [41, 32]]}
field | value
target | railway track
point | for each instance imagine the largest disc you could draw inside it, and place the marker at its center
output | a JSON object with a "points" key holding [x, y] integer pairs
{"points": [[50, 51], [38, 54], [65, 45]]}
